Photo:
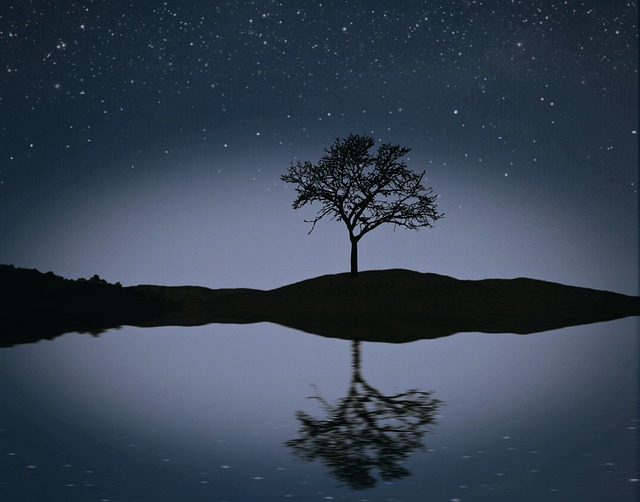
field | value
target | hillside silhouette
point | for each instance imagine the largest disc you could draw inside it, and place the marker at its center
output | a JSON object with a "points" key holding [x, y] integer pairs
{"points": [[391, 306], [37, 305]]}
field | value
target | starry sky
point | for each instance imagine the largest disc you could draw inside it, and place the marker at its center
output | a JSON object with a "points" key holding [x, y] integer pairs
{"points": [[144, 141]]}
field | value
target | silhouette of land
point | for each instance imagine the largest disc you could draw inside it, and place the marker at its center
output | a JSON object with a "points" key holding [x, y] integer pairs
{"points": [[382, 305]]}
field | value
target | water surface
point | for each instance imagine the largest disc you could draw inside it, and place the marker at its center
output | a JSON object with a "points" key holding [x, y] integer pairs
{"points": [[206, 413]]}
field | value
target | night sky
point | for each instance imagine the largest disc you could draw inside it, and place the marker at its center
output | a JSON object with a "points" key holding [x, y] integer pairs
{"points": [[144, 141]]}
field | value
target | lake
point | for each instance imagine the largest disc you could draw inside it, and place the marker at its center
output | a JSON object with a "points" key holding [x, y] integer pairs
{"points": [[212, 413]]}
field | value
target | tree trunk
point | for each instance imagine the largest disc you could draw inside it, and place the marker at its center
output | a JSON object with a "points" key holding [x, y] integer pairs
{"points": [[355, 361], [354, 257]]}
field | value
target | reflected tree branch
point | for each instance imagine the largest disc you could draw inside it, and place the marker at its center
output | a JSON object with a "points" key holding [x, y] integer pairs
{"points": [[366, 431]]}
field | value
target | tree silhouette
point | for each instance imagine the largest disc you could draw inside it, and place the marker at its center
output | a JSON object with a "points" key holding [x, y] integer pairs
{"points": [[362, 189], [366, 430]]}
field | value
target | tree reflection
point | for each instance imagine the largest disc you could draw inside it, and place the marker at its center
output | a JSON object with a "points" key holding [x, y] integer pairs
{"points": [[366, 430]]}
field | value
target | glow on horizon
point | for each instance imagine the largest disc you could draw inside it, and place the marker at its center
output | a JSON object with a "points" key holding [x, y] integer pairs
{"points": [[215, 223]]}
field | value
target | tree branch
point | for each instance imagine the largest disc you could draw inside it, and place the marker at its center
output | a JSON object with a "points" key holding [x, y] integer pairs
{"points": [[362, 189]]}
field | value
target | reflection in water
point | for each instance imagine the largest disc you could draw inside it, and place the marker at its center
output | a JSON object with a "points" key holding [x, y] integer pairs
{"points": [[202, 415], [366, 430]]}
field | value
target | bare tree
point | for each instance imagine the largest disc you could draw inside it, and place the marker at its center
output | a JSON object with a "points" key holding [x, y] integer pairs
{"points": [[363, 189]]}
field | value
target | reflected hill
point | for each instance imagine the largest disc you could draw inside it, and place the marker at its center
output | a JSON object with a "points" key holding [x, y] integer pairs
{"points": [[392, 306]]}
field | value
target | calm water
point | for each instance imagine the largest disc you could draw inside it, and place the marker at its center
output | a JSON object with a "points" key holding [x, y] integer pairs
{"points": [[205, 414]]}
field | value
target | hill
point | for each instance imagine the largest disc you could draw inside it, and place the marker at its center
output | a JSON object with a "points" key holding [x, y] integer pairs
{"points": [[39, 305], [382, 305], [402, 305]]}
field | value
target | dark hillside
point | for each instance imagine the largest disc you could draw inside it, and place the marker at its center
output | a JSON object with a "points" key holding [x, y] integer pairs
{"points": [[380, 305], [403, 305], [48, 305]]}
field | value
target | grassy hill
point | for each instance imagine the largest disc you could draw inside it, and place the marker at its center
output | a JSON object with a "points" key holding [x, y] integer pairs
{"points": [[380, 305], [402, 305], [39, 305]]}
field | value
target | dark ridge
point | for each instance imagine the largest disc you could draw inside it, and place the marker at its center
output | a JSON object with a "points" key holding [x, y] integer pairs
{"points": [[401, 305], [391, 306], [39, 305]]}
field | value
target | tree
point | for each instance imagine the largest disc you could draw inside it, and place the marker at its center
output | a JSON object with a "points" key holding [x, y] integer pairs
{"points": [[363, 189], [366, 431]]}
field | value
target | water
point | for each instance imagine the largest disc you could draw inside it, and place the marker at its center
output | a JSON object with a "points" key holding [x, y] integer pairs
{"points": [[209, 413]]}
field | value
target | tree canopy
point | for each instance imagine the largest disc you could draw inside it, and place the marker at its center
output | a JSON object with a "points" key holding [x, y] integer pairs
{"points": [[363, 189]]}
